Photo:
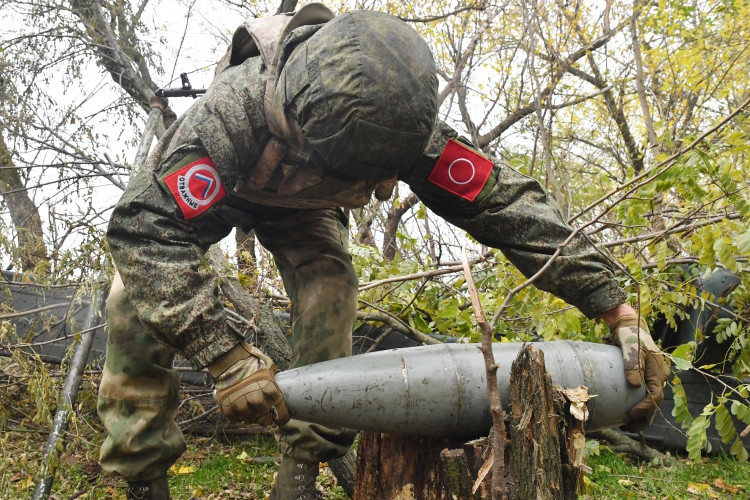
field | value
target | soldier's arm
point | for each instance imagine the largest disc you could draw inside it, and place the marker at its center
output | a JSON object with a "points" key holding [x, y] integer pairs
{"points": [[158, 244], [505, 209]]}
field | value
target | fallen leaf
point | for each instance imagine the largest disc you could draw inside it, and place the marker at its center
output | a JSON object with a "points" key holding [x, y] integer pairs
{"points": [[719, 483], [701, 489], [185, 469], [698, 486]]}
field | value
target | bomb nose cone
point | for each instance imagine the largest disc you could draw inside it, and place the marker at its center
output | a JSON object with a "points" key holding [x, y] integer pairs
{"points": [[440, 390]]}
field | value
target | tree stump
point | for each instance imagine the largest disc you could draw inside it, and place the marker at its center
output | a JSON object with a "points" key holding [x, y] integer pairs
{"points": [[396, 467], [542, 455], [538, 431]]}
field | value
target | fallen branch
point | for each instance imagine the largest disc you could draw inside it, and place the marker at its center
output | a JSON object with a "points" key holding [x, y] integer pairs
{"points": [[397, 325], [624, 444]]}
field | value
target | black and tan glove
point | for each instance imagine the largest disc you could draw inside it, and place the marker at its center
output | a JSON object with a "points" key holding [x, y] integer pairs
{"points": [[245, 388], [644, 363]]}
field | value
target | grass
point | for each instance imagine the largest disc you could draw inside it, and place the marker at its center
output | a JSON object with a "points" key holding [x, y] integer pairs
{"points": [[221, 467], [617, 476], [242, 469], [216, 468], [211, 469]]}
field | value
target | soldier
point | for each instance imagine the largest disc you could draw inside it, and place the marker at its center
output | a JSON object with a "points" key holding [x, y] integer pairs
{"points": [[307, 114]]}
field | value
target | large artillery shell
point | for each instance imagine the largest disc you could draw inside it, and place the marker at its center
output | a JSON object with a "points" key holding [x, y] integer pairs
{"points": [[440, 390]]}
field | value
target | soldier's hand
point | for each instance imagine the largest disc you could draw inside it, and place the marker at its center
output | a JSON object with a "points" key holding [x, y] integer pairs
{"points": [[644, 363], [245, 388]]}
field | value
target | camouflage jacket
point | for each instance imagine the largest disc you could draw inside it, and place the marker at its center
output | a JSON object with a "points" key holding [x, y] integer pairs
{"points": [[158, 238]]}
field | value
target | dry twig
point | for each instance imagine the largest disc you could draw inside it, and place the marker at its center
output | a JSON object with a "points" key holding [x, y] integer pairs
{"points": [[496, 407]]}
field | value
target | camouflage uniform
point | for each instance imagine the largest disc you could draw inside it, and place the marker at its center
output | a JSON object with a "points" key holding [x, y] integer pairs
{"points": [[170, 299]]}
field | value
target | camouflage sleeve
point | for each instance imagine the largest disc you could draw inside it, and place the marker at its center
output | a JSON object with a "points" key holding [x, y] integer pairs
{"points": [[158, 241], [504, 209]]}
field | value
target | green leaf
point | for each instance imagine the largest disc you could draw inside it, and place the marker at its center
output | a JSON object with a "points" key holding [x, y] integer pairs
{"points": [[661, 255], [696, 437], [682, 357], [449, 312], [680, 410], [738, 450], [725, 252], [743, 243], [725, 425], [419, 323], [645, 302], [681, 364], [741, 411]]}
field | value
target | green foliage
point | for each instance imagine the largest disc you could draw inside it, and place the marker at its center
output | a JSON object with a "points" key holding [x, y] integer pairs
{"points": [[682, 220], [615, 476], [680, 410]]}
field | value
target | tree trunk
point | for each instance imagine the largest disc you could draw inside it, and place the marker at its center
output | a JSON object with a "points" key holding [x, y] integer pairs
{"points": [[543, 457], [23, 212], [270, 339], [396, 212]]}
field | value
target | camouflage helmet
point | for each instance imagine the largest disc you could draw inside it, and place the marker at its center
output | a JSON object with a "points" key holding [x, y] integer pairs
{"points": [[363, 89]]}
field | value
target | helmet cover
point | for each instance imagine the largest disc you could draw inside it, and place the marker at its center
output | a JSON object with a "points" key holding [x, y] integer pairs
{"points": [[363, 89]]}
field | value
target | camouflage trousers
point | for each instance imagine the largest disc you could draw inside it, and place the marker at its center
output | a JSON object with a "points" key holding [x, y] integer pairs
{"points": [[139, 392]]}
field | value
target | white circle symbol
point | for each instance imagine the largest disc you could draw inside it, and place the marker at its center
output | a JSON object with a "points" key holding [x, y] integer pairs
{"points": [[473, 171], [214, 187]]}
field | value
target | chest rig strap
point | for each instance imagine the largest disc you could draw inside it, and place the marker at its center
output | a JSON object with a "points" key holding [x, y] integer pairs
{"points": [[263, 36]]}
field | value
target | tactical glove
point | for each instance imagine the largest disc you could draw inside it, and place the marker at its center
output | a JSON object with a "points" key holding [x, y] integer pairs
{"points": [[245, 388], [644, 362]]}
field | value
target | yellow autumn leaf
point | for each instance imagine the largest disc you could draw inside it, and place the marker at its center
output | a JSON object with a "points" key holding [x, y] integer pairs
{"points": [[182, 469], [698, 486], [702, 489]]}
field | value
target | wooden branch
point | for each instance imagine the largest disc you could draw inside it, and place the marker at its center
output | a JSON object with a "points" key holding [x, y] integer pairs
{"points": [[23, 211], [615, 110], [522, 112], [461, 62], [639, 75], [286, 6], [269, 337], [393, 218], [429, 19], [410, 277], [672, 230], [398, 325], [493, 393], [125, 64], [652, 173], [450, 267], [623, 443]]}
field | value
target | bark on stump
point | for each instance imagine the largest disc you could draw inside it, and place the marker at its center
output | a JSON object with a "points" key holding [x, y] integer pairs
{"points": [[538, 436], [537, 458], [395, 467]]}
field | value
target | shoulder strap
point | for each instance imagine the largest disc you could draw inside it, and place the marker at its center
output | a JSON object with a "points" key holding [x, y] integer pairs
{"points": [[263, 36]]}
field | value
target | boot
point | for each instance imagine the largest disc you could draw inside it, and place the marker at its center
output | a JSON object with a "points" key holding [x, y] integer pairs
{"points": [[156, 489], [296, 481]]}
